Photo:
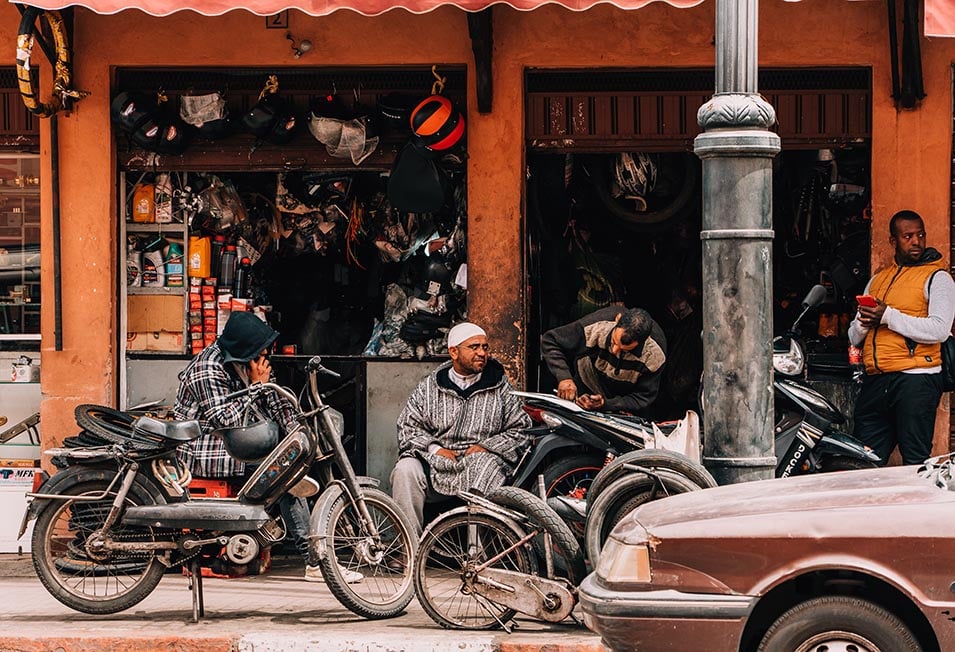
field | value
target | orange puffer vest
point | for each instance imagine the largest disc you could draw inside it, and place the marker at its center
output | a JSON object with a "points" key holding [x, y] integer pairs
{"points": [[902, 288]]}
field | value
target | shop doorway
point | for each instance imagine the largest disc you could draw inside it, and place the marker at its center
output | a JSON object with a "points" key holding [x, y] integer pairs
{"points": [[595, 236]]}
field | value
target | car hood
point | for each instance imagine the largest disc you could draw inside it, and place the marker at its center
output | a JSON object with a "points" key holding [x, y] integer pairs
{"points": [[749, 501]]}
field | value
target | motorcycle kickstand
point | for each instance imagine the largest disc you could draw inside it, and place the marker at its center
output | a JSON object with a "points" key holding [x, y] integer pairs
{"points": [[195, 583]]}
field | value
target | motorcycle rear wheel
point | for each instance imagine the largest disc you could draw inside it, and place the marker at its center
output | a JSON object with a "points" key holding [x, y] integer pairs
{"points": [[452, 546], [388, 586], [565, 475], [87, 582]]}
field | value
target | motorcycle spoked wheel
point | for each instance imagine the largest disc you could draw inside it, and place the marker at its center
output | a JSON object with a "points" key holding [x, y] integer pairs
{"points": [[388, 586], [617, 500], [93, 585], [568, 475], [568, 557], [455, 543], [652, 458]]}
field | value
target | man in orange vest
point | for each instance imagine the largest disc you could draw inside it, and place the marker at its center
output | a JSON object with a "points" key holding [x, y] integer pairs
{"points": [[900, 333]]}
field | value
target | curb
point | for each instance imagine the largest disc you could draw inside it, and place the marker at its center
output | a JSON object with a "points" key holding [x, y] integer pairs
{"points": [[271, 642]]}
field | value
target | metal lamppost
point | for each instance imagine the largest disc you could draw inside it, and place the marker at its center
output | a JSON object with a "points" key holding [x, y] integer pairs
{"points": [[737, 150]]}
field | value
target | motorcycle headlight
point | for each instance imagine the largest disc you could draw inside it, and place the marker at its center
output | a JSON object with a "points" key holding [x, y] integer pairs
{"points": [[791, 362], [624, 563]]}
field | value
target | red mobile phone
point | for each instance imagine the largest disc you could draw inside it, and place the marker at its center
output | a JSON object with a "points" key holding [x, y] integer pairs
{"points": [[866, 300]]}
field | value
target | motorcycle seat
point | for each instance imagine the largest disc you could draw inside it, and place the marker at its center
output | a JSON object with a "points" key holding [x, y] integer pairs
{"points": [[177, 431]]}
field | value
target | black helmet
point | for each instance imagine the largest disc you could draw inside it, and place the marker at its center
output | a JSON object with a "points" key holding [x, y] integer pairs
{"points": [[249, 443]]}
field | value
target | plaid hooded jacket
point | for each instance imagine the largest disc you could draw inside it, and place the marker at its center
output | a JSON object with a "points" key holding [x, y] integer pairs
{"points": [[204, 384]]}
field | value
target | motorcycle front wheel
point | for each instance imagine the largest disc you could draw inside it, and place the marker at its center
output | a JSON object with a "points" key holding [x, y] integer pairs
{"points": [[78, 574], [387, 586]]}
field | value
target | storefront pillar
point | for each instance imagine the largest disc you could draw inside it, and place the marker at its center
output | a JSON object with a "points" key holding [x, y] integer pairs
{"points": [[737, 151]]}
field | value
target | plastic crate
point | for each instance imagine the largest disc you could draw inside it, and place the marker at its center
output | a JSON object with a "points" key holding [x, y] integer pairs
{"points": [[211, 488]]}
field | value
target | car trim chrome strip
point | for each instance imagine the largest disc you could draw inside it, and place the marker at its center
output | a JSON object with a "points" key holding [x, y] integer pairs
{"points": [[662, 604]]}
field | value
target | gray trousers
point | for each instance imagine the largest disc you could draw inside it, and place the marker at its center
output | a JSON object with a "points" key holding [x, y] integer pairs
{"points": [[411, 488]]}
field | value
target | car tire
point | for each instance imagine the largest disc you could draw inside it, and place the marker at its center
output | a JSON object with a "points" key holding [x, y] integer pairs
{"points": [[828, 622]]}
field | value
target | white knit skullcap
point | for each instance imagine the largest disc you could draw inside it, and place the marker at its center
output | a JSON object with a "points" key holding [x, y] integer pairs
{"points": [[464, 331]]}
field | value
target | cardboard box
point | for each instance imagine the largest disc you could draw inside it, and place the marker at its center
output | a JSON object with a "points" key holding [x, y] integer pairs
{"points": [[147, 313], [155, 341]]}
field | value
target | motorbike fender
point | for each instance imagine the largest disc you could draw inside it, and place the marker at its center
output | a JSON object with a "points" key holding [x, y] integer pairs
{"points": [[544, 445], [59, 482], [461, 513], [322, 510], [841, 444]]}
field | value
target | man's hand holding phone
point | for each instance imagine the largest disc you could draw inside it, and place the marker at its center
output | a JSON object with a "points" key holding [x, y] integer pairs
{"points": [[260, 370], [870, 310]]}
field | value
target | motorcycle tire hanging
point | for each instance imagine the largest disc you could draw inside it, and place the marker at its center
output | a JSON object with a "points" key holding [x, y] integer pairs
{"points": [[570, 559], [343, 545], [652, 458], [70, 562], [622, 496]]}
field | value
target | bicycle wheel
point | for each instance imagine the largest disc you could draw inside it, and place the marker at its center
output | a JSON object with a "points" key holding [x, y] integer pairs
{"points": [[74, 571], [568, 558], [451, 547], [387, 587]]}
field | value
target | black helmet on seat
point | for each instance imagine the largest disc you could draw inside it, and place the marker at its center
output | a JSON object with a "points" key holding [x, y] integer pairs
{"points": [[249, 443]]}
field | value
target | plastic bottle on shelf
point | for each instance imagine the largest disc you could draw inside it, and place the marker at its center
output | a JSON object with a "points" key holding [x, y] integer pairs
{"points": [[200, 254], [218, 244], [243, 277], [144, 206], [174, 265], [163, 199], [227, 267]]}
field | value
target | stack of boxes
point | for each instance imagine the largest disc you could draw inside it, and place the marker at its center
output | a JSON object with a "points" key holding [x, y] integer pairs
{"points": [[203, 317]]}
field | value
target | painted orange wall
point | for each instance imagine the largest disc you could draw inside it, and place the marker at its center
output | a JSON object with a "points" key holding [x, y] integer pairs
{"points": [[911, 150]]}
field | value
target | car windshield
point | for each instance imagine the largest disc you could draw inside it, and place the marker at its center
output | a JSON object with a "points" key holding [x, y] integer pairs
{"points": [[940, 470]]}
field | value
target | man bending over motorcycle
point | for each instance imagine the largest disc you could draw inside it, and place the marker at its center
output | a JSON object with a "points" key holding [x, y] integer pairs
{"points": [[610, 360], [461, 429]]}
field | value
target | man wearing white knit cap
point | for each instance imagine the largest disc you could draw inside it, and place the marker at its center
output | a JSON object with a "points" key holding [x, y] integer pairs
{"points": [[462, 428]]}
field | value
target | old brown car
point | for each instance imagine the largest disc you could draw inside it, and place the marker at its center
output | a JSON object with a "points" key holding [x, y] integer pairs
{"points": [[857, 561]]}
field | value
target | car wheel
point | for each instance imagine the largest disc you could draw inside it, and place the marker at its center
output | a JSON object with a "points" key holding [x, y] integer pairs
{"points": [[838, 623]]}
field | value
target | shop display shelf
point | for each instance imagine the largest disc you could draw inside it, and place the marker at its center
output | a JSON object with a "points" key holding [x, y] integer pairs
{"points": [[156, 290]]}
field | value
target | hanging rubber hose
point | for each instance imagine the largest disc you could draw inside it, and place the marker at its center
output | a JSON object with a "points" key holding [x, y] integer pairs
{"points": [[28, 76]]}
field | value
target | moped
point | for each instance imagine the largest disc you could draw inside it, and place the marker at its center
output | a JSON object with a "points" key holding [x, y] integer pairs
{"points": [[118, 514]]}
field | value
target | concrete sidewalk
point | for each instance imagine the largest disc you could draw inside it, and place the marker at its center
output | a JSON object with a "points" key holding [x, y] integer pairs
{"points": [[274, 612]]}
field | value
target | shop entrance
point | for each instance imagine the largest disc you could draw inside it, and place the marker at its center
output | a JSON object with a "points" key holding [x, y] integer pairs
{"points": [[312, 232], [614, 211]]}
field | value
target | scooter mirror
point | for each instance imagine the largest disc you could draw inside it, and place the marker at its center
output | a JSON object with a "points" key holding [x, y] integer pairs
{"points": [[815, 297]]}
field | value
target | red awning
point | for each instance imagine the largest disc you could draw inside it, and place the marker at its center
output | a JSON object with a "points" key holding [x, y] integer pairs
{"points": [[940, 18], [324, 7]]}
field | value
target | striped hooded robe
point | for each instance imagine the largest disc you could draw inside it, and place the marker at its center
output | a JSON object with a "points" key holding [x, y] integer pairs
{"points": [[486, 414]]}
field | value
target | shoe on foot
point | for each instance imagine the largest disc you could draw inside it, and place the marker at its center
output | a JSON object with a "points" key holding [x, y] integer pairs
{"points": [[314, 574]]}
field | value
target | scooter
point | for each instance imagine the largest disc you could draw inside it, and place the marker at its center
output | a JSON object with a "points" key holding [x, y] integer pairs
{"points": [[807, 434], [570, 445], [119, 512]]}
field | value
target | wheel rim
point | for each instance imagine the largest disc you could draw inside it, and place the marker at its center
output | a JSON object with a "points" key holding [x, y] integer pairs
{"points": [[574, 482], [384, 565], [444, 561], [838, 641], [82, 571]]}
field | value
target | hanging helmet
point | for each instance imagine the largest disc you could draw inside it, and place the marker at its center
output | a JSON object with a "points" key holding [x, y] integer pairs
{"points": [[249, 443], [272, 119], [436, 124], [635, 174]]}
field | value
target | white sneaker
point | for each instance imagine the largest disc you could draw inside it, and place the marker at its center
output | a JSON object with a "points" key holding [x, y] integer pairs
{"points": [[314, 574]]}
